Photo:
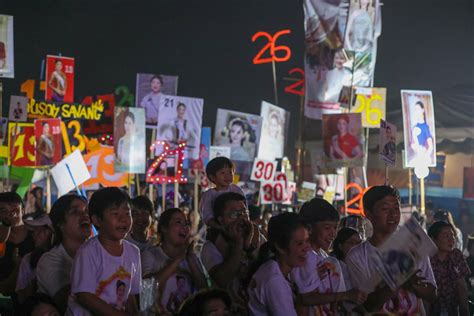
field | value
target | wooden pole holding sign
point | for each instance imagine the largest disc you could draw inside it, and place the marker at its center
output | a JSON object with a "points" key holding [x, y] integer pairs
{"points": [[410, 187], [275, 89], [197, 180], [386, 174], [345, 171], [48, 190], [422, 196], [152, 154]]}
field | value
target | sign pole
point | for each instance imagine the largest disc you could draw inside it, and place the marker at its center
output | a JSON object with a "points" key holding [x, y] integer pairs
{"points": [[275, 82], [422, 195], [48, 189]]}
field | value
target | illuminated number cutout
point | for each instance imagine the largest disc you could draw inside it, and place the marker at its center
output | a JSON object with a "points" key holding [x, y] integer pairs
{"points": [[152, 177], [270, 46]]}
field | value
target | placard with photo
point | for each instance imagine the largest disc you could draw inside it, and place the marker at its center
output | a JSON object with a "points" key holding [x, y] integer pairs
{"points": [[388, 142], [48, 141], [274, 131], [59, 79]]}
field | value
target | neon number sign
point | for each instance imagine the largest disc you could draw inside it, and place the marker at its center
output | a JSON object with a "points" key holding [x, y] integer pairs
{"points": [[272, 48], [151, 176], [292, 88], [351, 206]]}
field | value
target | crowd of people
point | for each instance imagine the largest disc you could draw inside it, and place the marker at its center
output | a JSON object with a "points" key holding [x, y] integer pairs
{"points": [[90, 257]]}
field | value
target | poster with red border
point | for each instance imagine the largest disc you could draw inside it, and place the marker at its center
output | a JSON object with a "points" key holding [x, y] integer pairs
{"points": [[48, 142], [59, 78]]}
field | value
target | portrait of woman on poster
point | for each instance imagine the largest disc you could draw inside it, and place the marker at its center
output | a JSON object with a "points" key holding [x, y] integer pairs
{"points": [[272, 144], [45, 148], [237, 136], [344, 145], [421, 139], [180, 123], [360, 29], [336, 78], [151, 101], [125, 154], [58, 82]]}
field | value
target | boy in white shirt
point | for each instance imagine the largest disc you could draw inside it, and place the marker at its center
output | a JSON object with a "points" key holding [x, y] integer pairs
{"points": [[106, 272], [320, 281], [382, 208]]}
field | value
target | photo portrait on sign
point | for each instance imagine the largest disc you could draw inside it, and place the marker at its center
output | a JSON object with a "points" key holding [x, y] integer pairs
{"points": [[59, 79], [129, 140], [419, 128], [179, 120], [204, 150], [48, 141], [388, 142], [7, 67], [239, 131], [343, 140], [18, 109], [3, 129], [273, 136], [150, 87]]}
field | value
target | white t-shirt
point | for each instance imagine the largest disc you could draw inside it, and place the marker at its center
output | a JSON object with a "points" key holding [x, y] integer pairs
{"points": [[179, 285], [141, 245], [270, 293], [111, 278], [365, 277], [209, 197], [53, 271], [25, 273], [321, 273]]}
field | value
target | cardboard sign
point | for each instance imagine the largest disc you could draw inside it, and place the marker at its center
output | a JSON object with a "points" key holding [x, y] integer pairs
{"points": [[7, 65], [273, 192], [219, 151], [272, 138], [21, 144], [388, 142], [307, 191], [370, 102], [204, 151], [263, 170], [70, 172], [59, 79], [101, 168], [48, 141], [18, 108], [3, 129]]}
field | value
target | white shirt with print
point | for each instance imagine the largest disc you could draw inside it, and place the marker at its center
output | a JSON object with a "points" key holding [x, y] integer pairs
{"points": [[270, 293], [364, 276], [53, 271], [321, 273], [111, 278], [179, 285]]}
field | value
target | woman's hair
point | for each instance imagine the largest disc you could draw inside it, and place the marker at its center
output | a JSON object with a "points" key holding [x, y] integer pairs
{"points": [[342, 236], [238, 122], [195, 305], [157, 77], [181, 104], [422, 106], [58, 214], [11, 198], [444, 215], [344, 117], [165, 219], [130, 115], [58, 61], [436, 228], [280, 232]]}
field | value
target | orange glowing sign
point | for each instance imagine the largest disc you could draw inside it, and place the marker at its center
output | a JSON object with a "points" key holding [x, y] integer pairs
{"points": [[292, 88], [272, 48], [356, 205]]}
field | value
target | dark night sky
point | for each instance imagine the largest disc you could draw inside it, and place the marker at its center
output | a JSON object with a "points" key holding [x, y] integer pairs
{"points": [[425, 44]]}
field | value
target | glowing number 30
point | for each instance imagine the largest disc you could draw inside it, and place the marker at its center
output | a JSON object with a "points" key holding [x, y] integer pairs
{"points": [[273, 49]]}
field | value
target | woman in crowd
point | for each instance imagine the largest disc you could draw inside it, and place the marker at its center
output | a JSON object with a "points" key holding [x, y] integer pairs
{"points": [[270, 290], [450, 270], [173, 263], [346, 239]]}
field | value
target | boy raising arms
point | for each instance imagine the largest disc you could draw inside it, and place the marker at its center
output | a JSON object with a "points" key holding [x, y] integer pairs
{"points": [[382, 208], [106, 273]]}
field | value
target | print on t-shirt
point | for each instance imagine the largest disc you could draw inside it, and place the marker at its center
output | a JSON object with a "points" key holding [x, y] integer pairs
{"points": [[330, 277], [114, 288], [178, 289]]}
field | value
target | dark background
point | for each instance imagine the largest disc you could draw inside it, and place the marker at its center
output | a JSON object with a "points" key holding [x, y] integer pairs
{"points": [[425, 44]]}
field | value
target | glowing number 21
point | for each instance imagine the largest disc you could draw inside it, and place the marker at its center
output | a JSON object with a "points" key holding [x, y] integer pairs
{"points": [[178, 152], [271, 46]]}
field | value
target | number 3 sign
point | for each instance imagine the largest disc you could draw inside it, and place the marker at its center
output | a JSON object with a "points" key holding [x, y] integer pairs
{"points": [[263, 170]]}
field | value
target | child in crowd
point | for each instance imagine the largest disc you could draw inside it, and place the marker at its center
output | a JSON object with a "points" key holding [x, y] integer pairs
{"points": [[382, 208], [346, 239], [450, 269], [270, 290], [173, 263], [215, 302], [106, 272], [321, 281], [142, 215], [220, 171], [42, 232], [72, 227]]}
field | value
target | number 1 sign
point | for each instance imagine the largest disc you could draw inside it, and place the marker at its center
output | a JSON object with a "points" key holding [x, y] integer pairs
{"points": [[263, 170]]}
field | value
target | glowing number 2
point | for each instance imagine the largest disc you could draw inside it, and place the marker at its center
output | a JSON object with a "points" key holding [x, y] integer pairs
{"points": [[271, 46], [300, 83]]}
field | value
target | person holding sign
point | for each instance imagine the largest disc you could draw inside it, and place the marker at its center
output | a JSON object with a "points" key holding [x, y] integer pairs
{"points": [[382, 208], [344, 145], [58, 82], [45, 147], [422, 140]]}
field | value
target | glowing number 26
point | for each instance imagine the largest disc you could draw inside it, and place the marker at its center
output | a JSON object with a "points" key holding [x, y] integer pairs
{"points": [[271, 46], [179, 152], [300, 83], [365, 106]]}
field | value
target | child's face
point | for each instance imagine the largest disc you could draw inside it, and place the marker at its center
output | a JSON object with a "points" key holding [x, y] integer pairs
{"points": [[323, 234], [216, 307], [350, 243], [177, 232], [115, 222], [223, 177], [385, 215], [141, 220]]}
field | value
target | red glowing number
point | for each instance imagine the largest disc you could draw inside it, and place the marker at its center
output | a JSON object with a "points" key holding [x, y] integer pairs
{"points": [[292, 88], [258, 59], [152, 177], [357, 199]]}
